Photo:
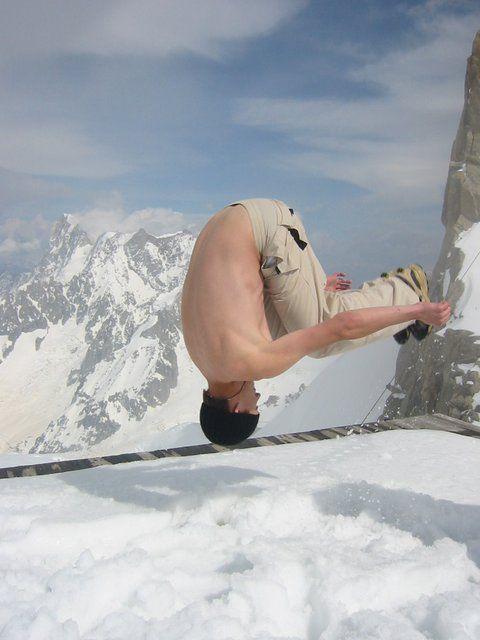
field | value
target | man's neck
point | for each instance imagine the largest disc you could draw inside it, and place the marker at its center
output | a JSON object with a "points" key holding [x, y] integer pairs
{"points": [[224, 389]]}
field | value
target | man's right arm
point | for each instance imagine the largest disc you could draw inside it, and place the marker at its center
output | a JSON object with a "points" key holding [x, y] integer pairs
{"points": [[277, 356]]}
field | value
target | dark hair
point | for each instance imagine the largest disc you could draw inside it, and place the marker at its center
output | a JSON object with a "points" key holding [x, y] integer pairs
{"points": [[218, 403], [222, 426]]}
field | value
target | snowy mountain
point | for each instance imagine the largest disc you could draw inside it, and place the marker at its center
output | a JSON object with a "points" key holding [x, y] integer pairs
{"points": [[443, 372], [91, 348]]}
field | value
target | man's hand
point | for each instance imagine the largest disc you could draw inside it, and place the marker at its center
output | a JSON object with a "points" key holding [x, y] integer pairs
{"points": [[436, 313], [337, 282]]}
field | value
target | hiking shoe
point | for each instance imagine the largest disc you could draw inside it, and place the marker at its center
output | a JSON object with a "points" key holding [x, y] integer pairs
{"points": [[402, 336], [420, 330], [414, 275]]}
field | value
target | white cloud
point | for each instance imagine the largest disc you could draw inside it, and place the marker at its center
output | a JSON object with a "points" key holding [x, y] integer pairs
{"points": [[24, 229], [112, 216], [10, 246], [33, 33], [396, 144], [152, 27], [22, 240]]}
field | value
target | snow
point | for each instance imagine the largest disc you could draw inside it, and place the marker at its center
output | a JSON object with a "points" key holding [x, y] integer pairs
{"points": [[170, 424], [30, 396], [5, 342], [75, 265], [133, 362], [363, 374], [111, 273], [362, 538], [166, 299], [349, 390], [469, 304], [446, 283]]}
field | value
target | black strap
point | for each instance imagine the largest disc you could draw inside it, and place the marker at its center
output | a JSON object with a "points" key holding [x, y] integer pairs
{"points": [[301, 243]]}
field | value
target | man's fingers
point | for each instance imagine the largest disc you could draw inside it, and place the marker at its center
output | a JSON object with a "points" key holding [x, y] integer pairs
{"points": [[340, 283]]}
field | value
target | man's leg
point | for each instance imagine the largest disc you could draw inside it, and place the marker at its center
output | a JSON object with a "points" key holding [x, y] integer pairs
{"points": [[379, 292], [313, 304], [294, 280]]}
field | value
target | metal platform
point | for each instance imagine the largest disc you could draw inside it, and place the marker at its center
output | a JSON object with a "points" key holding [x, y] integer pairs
{"points": [[435, 421]]}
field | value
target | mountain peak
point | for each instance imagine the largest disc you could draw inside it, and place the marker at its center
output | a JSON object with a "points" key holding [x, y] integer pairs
{"points": [[67, 236], [68, 227], [476, 45]]}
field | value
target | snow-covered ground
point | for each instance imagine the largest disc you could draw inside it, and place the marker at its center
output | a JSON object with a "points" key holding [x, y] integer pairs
{"points": [[373, 537]]}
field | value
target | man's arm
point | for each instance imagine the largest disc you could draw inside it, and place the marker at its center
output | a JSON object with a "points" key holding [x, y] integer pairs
{"points": [[277, 356]]}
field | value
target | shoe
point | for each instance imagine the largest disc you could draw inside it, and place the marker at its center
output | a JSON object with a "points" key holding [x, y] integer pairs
{"points": [[420, 330], [416, 278], [414, 275], [402, 336]]}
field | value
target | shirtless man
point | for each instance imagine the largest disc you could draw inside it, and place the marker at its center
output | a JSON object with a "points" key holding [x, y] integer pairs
{"points": [[229, 286]]}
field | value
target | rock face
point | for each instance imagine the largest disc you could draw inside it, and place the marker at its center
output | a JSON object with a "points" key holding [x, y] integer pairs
{"points": [[442, 372]]}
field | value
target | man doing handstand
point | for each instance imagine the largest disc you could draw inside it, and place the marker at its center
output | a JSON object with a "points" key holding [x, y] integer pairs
{"points": [[256, 300]]}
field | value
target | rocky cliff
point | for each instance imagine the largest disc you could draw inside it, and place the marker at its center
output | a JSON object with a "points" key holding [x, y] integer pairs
{"points": [[442, 373]]}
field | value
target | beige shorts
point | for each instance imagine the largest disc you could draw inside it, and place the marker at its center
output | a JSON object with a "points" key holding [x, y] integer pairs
{"points": [[294, 280]]}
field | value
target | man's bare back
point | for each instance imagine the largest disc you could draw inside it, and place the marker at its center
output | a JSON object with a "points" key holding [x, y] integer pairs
{"points": [[223, 314]]}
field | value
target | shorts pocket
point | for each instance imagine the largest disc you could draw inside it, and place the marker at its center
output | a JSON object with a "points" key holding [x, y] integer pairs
{"points": [[281, 255]]}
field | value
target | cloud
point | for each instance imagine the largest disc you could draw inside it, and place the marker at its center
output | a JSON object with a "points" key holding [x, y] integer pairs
{"points": [[9, 246], [24, 229], [41, 41], [22, 241], [112, 216], [142, 27], [397, 143]]}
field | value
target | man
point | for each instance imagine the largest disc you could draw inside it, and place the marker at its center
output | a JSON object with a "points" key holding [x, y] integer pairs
{"points": [[256, 300]]}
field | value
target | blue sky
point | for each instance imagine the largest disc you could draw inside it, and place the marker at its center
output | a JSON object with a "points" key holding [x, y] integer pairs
{"points": [[157, 113]]}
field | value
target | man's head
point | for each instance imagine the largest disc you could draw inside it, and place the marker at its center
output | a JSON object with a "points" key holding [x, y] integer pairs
{"points": [[229, 420]]}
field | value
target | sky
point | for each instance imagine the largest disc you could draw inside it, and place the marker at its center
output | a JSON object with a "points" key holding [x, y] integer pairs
{"points": [[158, 113]]}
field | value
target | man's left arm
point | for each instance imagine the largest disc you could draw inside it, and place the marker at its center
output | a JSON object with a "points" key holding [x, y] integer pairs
{"points": [[273, 358]]}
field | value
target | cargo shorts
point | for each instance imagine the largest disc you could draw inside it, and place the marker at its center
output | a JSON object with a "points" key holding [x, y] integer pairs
{"points": [[294, 280]]}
